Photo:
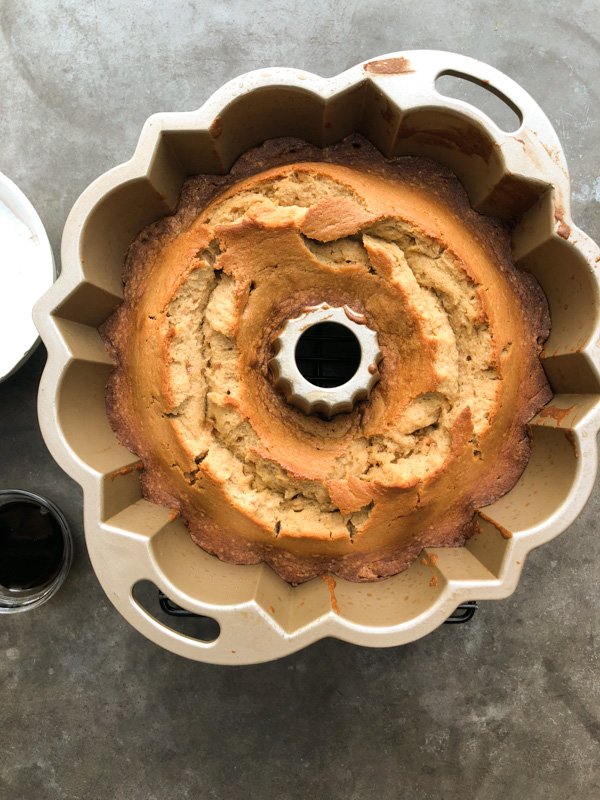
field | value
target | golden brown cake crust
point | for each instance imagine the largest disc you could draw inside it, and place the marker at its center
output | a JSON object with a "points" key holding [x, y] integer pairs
{"points": [[444, 431]]}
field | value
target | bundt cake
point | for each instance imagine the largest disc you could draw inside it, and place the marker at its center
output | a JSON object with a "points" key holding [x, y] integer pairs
{"points": [[207, 293]]}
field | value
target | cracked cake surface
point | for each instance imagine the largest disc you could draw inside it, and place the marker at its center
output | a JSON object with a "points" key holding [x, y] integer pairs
{"points": [[206, 292]]}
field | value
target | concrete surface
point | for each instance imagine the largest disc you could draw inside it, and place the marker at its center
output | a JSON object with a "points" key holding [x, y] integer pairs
{"points": [[505, 707]]}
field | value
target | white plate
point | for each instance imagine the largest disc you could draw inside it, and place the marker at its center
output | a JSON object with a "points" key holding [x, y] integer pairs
{"points": [[21, 284]]}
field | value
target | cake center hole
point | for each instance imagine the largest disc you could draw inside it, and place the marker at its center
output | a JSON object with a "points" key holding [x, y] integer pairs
{"points": [[327, 354]]}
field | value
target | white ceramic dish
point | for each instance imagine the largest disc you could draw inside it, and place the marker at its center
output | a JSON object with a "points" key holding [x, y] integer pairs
{"points": [[17, 330]]}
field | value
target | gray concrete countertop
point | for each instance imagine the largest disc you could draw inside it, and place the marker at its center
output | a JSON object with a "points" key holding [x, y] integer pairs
{"points": [[507, 706]]}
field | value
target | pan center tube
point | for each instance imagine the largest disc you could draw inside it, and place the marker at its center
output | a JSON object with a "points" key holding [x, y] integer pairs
{"points": [[326, 360]]}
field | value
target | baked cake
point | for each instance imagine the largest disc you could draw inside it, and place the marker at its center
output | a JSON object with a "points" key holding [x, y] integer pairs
{"points": [[206, 293]]}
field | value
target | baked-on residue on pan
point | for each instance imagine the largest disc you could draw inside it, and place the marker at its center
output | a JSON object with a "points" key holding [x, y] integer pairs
{"points": [[443, 432]]}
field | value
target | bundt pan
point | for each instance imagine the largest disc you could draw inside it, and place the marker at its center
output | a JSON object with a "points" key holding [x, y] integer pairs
{"points": [[392, 100]]}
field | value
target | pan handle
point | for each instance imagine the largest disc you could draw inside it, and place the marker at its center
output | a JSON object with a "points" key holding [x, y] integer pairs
{"points": [[121, 559], [408, 80]]}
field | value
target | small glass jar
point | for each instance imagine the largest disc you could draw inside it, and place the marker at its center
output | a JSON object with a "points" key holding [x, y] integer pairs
{"points": [[36, 550]]}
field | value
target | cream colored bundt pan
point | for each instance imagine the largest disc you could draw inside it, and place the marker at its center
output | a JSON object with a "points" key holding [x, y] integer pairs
{"points": [[392, 100]]}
